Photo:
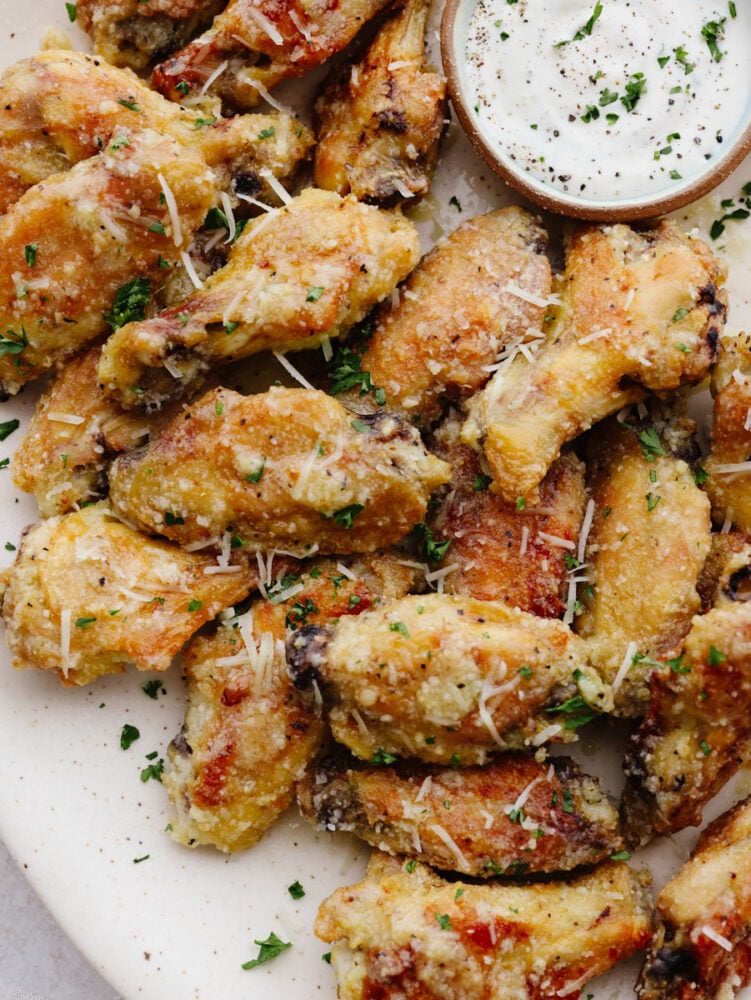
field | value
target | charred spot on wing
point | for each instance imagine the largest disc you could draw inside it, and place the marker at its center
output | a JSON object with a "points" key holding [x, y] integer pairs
{"points": [[180, 745], [305, 653], [249, 184], [671, 961], [739, 585]]}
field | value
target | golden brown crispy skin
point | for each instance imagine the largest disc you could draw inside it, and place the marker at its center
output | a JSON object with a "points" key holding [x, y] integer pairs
{"points": [[136, 32], [467, 300], [313, 269], [288, 468], [253, 46], [416, 935], [640, 312], [90, 230], [61, 107], [502, 553], [698, 729], [514, 815], [701, 948], [248, 734], [127, 598], [727, 465], [649, 539], [380, 119], [435, 676]]}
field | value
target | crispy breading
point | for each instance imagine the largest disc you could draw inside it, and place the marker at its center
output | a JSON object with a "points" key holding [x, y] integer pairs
{"points": [[477, 293], [250, 47], [514, 814], [640, 311], [67, 245], [501, 552], [649, 539], [434, 676], [700, 950], [698, 730], [89, 595], [380, 119], [308, 271], [414, 934], [62, 107], [248, 734], [287, 468], [727, 465], [136, 32]]}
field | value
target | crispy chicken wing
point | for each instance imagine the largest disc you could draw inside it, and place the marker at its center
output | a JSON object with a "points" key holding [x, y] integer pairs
{"points": [[446, 679], [514, 814], [380, 119], [700, 950], [136, 32], [88, 595], [649, 539], [69, 244], [522, 557], [248, 734], [313, 269], [413, 934], [288, 468], [61, 107], [252, 46], [480, 291], [640, 312]]}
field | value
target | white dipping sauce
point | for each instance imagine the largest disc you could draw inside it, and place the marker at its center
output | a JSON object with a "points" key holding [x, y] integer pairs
{"points": [[634, 101]]}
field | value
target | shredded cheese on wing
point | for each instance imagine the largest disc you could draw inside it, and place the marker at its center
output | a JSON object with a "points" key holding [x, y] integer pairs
{"points": [[452, 845], [65, 616], [171, 203]]}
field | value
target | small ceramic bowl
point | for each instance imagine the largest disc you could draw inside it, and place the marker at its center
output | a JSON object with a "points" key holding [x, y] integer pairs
{"points": [[673, 195]]}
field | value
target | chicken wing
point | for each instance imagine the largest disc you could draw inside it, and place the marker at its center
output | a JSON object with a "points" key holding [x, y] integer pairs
{"points": [[481, 291], [727, 465], [311, 270], [136, 32], [61, 107], [248, 734], [288, 468], [447, 679], [499, 552], [649, 540], [512, 814], [700, 950], [252, 46], [89, 595], [380, 119], [407, 932], [640, 312], [69, 245]]}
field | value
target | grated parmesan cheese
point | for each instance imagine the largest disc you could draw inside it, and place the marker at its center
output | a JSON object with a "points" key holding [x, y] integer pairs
{"points": [[289, 367], [65, 418], [171, 203], [713, 935], [214, 76], [444, 835], [65, 616], [190, 270], [625, 666]]}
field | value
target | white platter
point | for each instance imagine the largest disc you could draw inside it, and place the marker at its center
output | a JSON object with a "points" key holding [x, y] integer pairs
{"points": [[75, 814]]}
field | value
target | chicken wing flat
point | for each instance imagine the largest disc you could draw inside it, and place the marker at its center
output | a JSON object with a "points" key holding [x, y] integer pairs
{"points": [[248, 734], [311, 270], [411, 933], [499, 552], [61, 107], [89, 595], [446, 679], [649, 539], [727, 464], [288, 468], [514, 815], [136, 32], [251, 47], [640, 311], [698, 730], [68, 245], [700, 950], [380, 120], [479, 291]]}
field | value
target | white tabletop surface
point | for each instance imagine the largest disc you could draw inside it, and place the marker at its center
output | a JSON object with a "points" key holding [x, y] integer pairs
{"points": [[37, 959]]}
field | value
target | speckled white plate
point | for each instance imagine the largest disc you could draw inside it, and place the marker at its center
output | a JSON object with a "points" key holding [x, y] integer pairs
{"points": [[74, 812]]}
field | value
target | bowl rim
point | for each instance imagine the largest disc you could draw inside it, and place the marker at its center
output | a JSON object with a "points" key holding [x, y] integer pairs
{"points": [[559, 202]]}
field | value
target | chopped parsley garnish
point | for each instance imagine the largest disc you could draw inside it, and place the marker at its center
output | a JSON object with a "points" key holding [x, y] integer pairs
{"points": [[129, 304], [700, 475], [30, 253], [607, 97], [481, 483], [314, 294], [652, 500], [521, 503], [715, 657], [267, 950], [453, 200], [635, 87], [195, 605], [170, 518], [130, 105], [444, 921], [651, 444], [620, 856], [410, 866], [297, 616], [681, 57], [525, 671], [153, 771], [7, 428], [267, 133], [158, 228], [578, 711], [152, 688], [399, 627], [295, 890], [86, 621], [680, 314], [13, 343], [255, 477], [713, 32], [435, 551], [382, 756], [200, 122], [568, 801], [585, 30], [144, 857], [72, 12], [345, 369], [705, 748], [359, 425], [183, 87], [128, 736], [346, 515]]}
